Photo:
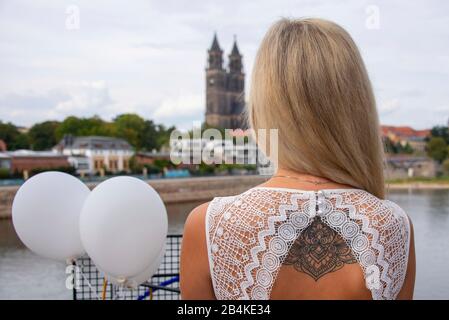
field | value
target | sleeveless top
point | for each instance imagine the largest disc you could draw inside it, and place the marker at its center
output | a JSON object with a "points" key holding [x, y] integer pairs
{"points": [[250, 235]]}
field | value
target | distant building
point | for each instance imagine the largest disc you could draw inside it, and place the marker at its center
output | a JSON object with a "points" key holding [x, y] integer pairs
{"points": [[406, 166], [224, 151], [5, 161], [91, 154], [403, 135], [2, 145], [225, 88], [148, 158], [27, 160]]}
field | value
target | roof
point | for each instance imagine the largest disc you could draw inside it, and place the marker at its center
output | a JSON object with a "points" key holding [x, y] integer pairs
{"points": [[94, 142], [215, 46], [154, 154], [405, 132], [235, 50], [23, 153]]}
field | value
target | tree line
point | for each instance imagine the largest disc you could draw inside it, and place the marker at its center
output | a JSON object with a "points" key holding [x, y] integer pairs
{"points": [[142, 134], [438, 145]]}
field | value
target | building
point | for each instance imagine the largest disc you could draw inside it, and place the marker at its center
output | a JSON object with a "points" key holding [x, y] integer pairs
{"points": [[220, 151], [403, 135], [19, 161], [149, 158], [92, 154], [3, 146], [225, 88], [406, 166]]}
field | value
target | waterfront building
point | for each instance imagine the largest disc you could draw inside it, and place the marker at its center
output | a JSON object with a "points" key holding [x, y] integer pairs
{"points": [[92, 154], [19, 161]]}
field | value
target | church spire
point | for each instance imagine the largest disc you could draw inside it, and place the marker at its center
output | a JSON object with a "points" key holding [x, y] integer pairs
{"points": [[215, 60], [235, 50], [235, 58], [215, 46]]}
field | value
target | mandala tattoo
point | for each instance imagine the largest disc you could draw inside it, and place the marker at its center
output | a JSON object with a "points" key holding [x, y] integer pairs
{"points": [[319, 250]]}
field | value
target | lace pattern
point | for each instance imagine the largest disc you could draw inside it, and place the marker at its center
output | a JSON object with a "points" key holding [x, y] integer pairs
{"points": [[250, 235]]}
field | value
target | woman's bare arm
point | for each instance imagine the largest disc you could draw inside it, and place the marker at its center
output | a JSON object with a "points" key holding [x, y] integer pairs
{"points": [[195, 280]]}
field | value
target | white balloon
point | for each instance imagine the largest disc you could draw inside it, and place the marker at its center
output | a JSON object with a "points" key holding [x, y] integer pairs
{"points": [[45, 214], [123, 226], [146, 275]]}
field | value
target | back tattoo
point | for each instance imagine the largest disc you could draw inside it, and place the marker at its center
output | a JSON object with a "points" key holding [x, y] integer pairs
{"points": [[319, 250]]}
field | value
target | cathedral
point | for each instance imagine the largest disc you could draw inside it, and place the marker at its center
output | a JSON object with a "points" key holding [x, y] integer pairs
{"points": [[225, 89]]}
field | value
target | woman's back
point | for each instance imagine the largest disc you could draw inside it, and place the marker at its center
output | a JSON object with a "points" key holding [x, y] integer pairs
{"points": [[289, 240], [345, 243]]}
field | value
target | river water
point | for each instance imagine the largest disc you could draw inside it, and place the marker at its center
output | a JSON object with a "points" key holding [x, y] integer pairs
{"points": [[23, 275]]}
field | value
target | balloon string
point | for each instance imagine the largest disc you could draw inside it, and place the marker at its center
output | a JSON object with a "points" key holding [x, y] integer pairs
{"points": [[103, 294], [90, 286]]}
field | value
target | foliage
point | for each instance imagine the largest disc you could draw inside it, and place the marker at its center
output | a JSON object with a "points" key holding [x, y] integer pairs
{"points": [[130, 127], [437, 149], [140, 133], [397, 148], [440, 131], [93, 126], [163, 163], [42, 136], [4, 173], [13, 138]]}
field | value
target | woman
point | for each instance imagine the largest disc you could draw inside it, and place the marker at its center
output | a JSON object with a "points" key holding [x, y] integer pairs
{"points": [[320, 228]]}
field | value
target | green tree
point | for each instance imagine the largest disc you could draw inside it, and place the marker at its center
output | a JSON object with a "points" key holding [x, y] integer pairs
{"points": [[390, 147], [142, 134], [437, 149], [93, 126], [440, 131], [42, 136], [130, 127], [162, 135], [13, 138]]}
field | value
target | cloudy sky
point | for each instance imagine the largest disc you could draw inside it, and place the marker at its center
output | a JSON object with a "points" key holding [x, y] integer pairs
{"points": [[60, 58]]}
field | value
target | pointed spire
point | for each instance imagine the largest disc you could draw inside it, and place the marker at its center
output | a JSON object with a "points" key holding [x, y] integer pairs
{"points": [[215, 46], [235, 50]]}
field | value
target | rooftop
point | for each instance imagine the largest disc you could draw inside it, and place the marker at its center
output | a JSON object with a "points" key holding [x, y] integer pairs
{"points": [[405, 132], [94, 142]]}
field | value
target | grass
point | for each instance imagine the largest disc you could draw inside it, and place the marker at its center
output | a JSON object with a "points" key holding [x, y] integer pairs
{"points": [[436, 180]]}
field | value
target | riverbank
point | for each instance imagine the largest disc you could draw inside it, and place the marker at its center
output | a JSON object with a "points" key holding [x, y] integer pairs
{"points": [[203, 189], [419, 183], [172, 191]]}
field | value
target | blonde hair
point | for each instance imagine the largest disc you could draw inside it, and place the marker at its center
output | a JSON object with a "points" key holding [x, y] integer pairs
{"points": [[309, 82]]}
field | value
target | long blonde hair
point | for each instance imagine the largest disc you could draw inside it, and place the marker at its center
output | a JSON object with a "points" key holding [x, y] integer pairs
{"points": [[309, 82]]}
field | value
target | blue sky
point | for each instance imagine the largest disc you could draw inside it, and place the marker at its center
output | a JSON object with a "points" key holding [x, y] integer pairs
{"points": [[149, 57]]}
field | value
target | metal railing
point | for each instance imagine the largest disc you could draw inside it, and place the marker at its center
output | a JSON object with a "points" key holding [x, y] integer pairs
{"points": [[89, 283]]}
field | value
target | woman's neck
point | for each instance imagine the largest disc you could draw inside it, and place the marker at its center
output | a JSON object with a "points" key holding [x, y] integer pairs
{"points": [[286, 178]]}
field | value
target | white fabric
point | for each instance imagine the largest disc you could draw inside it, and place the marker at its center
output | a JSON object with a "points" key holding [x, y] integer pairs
{"points": [[249, 236]]}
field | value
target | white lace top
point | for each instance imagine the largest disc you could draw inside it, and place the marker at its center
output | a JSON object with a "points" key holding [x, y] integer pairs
{"points": [[249, 236]]}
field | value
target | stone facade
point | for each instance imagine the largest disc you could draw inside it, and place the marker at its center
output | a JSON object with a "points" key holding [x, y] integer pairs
{"points": [[225, 89]]}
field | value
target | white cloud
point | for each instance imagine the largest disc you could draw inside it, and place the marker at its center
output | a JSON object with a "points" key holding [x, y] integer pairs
{"points": [[389, 106], [151, 55], [79, 99], [181, 106]]}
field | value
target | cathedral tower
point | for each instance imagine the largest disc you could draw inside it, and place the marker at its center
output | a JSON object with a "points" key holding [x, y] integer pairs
{"points": [[224, 88]]}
